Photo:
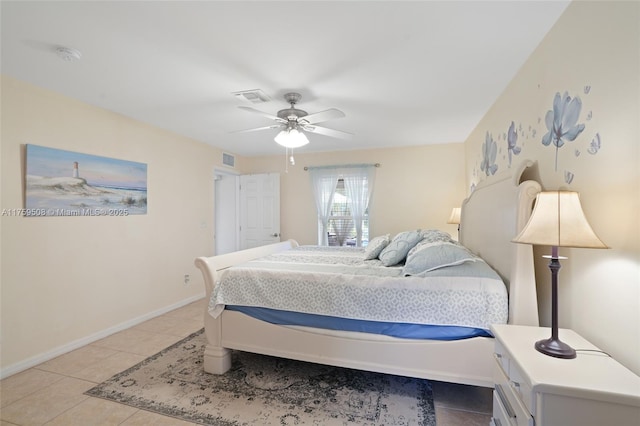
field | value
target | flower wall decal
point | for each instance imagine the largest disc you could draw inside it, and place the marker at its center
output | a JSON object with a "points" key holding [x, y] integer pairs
{"points": [[562, 122], [512, 139], [561, 127], [489, 153], [568, 176], [594, 147]]}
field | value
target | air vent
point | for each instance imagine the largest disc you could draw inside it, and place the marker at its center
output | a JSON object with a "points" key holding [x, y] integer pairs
{"points": [[228, 160], [255, 96]]}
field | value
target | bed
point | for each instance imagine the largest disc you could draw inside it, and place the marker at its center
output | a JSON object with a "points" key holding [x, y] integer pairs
{"points": [[491, 216]]}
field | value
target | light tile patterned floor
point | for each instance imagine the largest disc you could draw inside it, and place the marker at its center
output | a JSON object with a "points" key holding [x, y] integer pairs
{"points": [[52, 392]]}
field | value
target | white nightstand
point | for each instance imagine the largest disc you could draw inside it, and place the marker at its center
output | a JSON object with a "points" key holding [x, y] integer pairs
{"points": [[535, 389]]}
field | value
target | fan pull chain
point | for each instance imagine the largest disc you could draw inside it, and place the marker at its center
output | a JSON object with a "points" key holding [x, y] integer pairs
{"points": [[288, 159], [286, 163]]}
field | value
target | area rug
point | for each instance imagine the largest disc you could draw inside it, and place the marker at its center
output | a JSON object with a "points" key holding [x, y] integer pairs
{"points": [[264, 390]]}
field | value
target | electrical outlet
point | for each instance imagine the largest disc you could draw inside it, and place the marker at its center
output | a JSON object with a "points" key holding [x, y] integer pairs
{"points": [[187, 278]]}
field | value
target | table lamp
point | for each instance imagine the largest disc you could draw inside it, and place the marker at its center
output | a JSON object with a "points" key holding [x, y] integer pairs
{"points": [[557, 221], [455, 217]]}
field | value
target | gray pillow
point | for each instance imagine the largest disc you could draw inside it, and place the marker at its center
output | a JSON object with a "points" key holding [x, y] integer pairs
{"points": [[435, 256], [398, 248], [375, 246]]}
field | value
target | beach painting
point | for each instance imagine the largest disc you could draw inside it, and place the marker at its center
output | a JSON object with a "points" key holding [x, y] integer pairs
{"points": [[66, 183]]}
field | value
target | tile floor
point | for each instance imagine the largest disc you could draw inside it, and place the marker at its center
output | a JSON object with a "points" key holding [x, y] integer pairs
{"points": [[52, 393]]}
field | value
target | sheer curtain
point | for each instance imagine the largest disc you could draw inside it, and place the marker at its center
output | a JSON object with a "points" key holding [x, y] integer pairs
{"points": [[342, 228], [358, 184], [324, 182]]}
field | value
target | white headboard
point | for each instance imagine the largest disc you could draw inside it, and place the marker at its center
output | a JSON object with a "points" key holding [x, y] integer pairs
{"points": [[491, 217]]}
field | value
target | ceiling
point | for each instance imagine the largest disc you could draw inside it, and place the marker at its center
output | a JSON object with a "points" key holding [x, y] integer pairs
{"points": [[404, 73]]}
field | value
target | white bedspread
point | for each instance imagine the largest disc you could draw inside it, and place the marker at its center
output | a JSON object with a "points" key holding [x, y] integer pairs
{"points": [[338, 282]]}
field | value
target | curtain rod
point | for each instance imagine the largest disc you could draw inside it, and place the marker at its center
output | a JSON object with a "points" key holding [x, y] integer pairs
{"points": [[339, 166]]}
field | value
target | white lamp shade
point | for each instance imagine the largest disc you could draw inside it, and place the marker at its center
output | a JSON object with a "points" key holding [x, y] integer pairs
{"points": [[455, 215], [291, 138], [558, 220]]}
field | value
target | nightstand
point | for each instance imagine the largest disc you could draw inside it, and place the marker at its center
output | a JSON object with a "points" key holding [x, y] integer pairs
{"points": [[534, 389]]}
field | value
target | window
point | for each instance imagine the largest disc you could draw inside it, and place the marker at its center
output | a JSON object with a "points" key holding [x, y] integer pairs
{"points": [[342, 196], [342, 228]]}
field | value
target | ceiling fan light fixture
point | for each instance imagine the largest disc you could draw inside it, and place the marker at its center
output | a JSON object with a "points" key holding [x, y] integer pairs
{"points": [[293, 121], [291, 138]]}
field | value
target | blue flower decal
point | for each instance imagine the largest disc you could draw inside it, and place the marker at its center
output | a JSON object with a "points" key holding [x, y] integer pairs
{"points": [[595, 144], [512, 139], [489, 153], [562, 122], [568, 176]]}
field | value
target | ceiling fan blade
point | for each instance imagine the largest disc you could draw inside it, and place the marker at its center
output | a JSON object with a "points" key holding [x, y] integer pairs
{"points": [[327, 132], [318, 117], [273, 126], [264, 114]]}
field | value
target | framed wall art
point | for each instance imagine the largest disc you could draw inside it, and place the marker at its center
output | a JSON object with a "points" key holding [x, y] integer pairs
{"points": [[66, 183]]}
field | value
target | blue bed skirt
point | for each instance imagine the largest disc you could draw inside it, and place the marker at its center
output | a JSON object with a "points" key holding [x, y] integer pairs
{"points": [[403, 330]]}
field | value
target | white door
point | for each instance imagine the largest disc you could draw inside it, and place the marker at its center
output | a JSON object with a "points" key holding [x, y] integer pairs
{"points": [[227, 204], [259, 209]]}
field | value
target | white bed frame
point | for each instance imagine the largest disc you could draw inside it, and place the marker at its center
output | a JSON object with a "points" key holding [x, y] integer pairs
{"points": [[491, 217]]}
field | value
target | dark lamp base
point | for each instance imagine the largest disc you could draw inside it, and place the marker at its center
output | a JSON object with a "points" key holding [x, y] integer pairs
{"points": [[555, 348]]}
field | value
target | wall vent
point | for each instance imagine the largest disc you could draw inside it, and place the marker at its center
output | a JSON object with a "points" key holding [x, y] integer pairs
{"points": [[228, 160], [255, 96]]}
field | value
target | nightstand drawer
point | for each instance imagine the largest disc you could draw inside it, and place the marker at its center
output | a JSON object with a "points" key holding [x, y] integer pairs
{"points": [[501, 416], [508, 404], [502, 357], [520, 386], [515, 379]]}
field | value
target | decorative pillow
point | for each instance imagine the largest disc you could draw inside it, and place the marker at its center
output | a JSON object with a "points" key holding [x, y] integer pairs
{"points": [[431, 236], [435, 256], [375, 246], [398, 248]]}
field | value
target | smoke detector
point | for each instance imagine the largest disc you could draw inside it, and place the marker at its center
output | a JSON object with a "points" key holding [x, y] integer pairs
{"points": [[68, 54]]}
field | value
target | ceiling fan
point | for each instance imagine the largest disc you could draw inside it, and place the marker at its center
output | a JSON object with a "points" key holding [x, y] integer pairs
{"points": [[293, 121]]}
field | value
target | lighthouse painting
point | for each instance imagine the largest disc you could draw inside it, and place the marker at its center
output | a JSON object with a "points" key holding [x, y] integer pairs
{"points": [[66, 183]]}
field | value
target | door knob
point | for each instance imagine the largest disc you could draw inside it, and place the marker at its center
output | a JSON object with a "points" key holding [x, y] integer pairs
{"points": [[275, 234]]}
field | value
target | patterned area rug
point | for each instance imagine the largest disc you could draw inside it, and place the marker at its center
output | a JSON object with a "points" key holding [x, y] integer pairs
{"points": [[263, 390]]}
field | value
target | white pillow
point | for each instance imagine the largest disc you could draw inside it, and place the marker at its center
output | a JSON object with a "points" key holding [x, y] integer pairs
{"points": [[398, 248], [375, 246]]}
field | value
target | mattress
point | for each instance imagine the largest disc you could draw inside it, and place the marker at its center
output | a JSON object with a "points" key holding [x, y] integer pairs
{"points": [[335, 288], [392, 329]]}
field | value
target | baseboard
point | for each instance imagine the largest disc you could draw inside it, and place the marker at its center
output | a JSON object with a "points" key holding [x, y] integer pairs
{"points": [[60, 350]]}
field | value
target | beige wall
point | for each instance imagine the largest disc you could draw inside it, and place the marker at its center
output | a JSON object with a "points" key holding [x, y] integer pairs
{"points": [[68, 279], [415, 187], [594, 44]]}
